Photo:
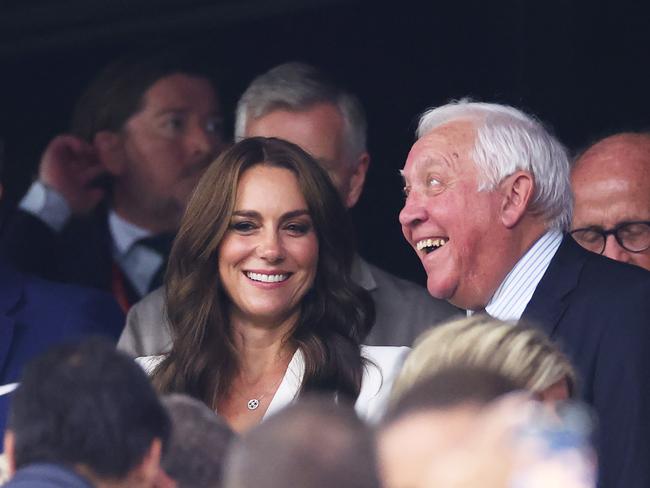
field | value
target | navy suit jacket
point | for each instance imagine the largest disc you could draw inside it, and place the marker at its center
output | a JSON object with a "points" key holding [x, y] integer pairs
{"points": [[35, 314], [599, 311], [80, 253]]}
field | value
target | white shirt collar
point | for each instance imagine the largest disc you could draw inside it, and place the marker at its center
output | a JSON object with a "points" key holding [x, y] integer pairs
{"points": [[124, 233], [511, 297], [290, 385], [139, 263]]}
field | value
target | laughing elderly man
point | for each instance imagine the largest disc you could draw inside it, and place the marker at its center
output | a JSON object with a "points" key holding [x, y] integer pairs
{"points": [[488, 202]]}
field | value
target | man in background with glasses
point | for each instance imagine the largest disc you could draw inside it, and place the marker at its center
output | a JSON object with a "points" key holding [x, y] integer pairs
{"points": [[611, 184]]}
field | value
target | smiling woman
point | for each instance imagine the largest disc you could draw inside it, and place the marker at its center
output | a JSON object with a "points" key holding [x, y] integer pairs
{"points": [[259, 296], [268, 257]]}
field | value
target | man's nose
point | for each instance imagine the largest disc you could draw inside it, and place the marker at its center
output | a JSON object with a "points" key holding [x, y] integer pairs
{"points": [[614, 250], [203, 142], [413, 212]]}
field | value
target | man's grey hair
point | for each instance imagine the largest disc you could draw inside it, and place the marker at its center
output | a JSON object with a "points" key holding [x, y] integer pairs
{"points": [[298, 87], [198, 444], [507, 141]]}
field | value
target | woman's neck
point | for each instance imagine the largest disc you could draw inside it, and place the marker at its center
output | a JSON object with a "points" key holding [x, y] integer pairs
{"points": [[264, 352], [262, 349]]}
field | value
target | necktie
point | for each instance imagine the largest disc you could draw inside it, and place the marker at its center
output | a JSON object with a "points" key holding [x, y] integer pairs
{"points": [[162, 244]]}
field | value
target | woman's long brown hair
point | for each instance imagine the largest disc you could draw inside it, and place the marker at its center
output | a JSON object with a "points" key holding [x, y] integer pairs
{"points": [[335, 314]]}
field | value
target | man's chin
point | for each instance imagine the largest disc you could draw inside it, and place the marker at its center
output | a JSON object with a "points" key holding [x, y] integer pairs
{"points": [[440, 290]]}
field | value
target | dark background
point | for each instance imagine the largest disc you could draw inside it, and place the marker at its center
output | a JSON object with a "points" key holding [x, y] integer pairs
{"points": [[580, 65]]}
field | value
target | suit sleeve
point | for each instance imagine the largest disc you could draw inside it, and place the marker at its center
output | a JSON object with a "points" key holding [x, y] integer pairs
{"points": [[622, 397], [30, 245], [95, 313]]}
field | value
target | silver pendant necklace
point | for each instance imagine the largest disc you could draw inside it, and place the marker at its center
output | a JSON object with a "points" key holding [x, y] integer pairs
{"points": [[253, 403]]}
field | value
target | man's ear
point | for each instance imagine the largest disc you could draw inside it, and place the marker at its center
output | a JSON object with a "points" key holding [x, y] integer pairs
{"points": [[517, 190], [110, 150], [9, 445], [150, 465], [163, 480], [357, 180]]}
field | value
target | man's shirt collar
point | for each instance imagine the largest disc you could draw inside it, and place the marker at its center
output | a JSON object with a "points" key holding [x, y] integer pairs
{"points": [[124, 233], [511, 297], [139, 263]]}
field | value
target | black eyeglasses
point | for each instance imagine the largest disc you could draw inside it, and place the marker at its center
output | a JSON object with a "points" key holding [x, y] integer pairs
{"points": [[631, 236]]}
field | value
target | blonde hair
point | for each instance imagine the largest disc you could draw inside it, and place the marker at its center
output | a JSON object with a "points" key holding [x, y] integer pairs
{"points": [[520, 352]]}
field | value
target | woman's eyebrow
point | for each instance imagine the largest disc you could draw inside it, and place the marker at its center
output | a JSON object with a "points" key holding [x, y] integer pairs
{"points": [[295, 213], [255, 214], [247, 213]]}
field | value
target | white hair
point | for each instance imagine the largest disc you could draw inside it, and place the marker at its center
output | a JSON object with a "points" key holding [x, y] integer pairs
{"points": [[508, 140], [298, 87]]}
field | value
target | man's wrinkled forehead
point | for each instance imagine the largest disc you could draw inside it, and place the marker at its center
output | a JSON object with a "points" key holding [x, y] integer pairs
{"points": [[444, 147], [456, 132], [180, 88], [427, 163]]}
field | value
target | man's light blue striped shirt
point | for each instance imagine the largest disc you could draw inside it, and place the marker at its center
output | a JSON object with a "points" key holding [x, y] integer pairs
{"points": [[516, 290]]}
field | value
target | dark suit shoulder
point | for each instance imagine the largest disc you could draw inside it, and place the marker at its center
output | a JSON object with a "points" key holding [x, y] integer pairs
{"points": [[593, 284], [599, 311], [74, 307], [614, 300], [409, 293], [81, 253], [611, 290], [29, 244], [36, 314], [607, 273], [403, 310]]}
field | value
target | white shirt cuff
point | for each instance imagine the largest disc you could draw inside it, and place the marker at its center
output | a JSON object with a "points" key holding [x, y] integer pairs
{"points": [[46, 204]]}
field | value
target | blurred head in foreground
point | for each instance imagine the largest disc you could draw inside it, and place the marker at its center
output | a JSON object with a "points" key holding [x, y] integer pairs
{"points": [[197, 445], [431, 418], [470, 427], [521, 353], [315, 443], [89, 409]]}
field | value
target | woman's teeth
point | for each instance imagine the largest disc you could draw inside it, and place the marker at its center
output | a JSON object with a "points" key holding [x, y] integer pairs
{"points": [[267, 278]]}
